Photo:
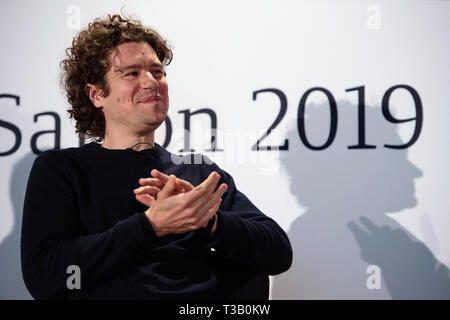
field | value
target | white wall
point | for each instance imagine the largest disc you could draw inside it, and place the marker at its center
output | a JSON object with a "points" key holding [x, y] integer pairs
{"points": [[226, 50]]}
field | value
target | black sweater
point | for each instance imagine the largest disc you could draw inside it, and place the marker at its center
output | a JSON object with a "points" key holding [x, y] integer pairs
{"points": [[80, 210]]}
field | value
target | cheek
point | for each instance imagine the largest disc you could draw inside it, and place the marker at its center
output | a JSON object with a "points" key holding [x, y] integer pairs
{"points": [[123, 89], [163, 88], [125, 94]]}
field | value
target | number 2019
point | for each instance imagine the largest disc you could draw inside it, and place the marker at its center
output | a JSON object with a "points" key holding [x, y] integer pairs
{"points": [[334, 118]]}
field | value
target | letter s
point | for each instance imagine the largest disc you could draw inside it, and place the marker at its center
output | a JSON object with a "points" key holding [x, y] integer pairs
{"points": [[10, 126]]}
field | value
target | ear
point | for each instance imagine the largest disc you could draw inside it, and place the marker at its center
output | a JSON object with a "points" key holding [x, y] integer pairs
{"points": [[94, 94]]}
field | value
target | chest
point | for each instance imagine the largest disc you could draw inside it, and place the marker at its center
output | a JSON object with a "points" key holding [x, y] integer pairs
{"points": [[105, 194], [105, 191]]}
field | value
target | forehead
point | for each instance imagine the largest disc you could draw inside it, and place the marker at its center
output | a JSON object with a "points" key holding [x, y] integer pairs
{"points": [[130, 53]]}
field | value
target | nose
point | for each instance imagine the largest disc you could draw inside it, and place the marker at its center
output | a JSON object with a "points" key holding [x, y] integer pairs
{"points": [[147, 81], [417, 173]]}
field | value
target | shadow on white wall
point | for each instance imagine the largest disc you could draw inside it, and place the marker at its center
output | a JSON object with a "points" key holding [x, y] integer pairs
{"points": [[345, 228], [11, 281]]}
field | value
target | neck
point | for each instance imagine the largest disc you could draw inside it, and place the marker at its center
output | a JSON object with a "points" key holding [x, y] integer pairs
{"points": [[122, 141]]}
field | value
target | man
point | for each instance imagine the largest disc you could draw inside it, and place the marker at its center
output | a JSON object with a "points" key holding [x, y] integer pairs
{"points": [[184, 232]]}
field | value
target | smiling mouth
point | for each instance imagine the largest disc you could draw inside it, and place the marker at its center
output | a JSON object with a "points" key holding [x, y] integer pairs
{"points": [[151, 99]]}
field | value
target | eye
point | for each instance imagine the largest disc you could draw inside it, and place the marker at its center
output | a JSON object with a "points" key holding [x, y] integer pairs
{"points": [[158, 74], [132, 74]]}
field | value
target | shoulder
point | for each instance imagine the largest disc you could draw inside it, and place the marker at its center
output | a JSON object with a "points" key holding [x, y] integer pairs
{"points": [[61, 153], [61, 158]]}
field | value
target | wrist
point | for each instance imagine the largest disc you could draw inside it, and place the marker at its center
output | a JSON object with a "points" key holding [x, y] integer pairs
{"points": [[149, 216]]}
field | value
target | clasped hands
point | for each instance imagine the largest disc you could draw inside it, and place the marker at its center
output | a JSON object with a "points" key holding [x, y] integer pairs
{"points": [[176, 206]]}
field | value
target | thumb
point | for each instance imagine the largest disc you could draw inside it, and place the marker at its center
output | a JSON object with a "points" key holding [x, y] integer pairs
{"points": [[145, 199], [169, 188]]}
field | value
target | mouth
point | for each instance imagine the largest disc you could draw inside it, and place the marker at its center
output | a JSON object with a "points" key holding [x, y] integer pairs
{"points": [[150, 99]]}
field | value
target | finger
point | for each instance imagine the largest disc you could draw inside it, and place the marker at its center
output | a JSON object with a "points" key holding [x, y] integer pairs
{"points": [[206, 187], [203, 192], [182, 184], [168, 189], [372, 227], [204, 207], [159, 175], [145, 199], [216, 221], [210, 213], [208, 201], [360, 234], [216, 207], [179, 191], [216, 196], [151, 190], [151, 182], [221, 190]]}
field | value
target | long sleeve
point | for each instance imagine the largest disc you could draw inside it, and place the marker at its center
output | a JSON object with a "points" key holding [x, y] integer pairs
{"points": [[53, 237], [248, 236]]}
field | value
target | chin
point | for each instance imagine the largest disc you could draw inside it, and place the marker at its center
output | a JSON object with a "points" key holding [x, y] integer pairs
{"points": [[403, 204], [155, 124]]}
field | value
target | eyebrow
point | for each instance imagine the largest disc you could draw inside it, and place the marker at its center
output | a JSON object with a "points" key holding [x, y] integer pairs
{"points": [[137, 66]]}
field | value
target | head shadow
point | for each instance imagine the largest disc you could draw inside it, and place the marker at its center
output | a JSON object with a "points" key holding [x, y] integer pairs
{"points": [[345, 229]]}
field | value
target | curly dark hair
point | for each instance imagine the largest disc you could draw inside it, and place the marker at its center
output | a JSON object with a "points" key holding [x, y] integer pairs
{"points": [[88, 61]]}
